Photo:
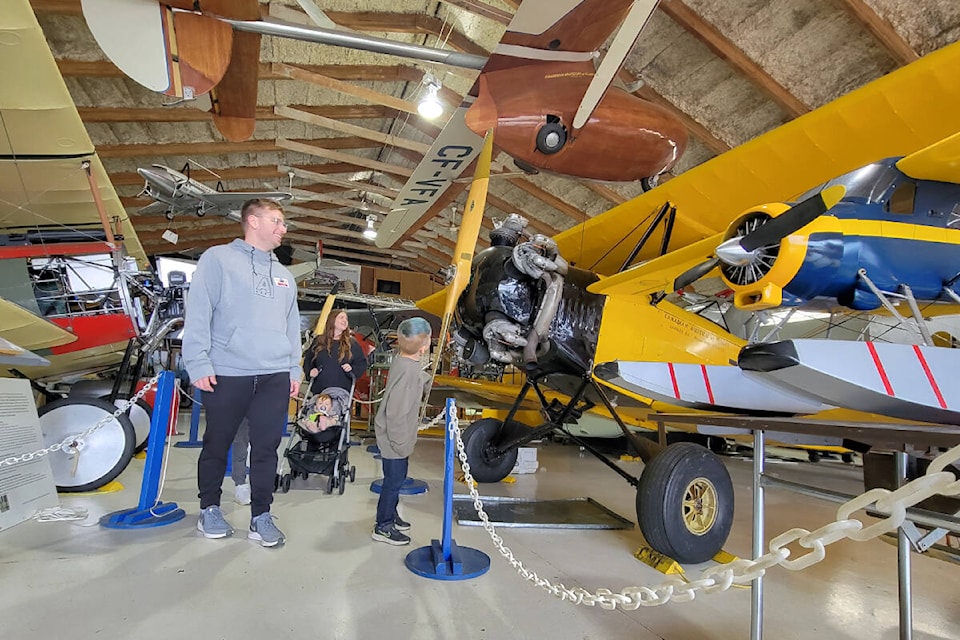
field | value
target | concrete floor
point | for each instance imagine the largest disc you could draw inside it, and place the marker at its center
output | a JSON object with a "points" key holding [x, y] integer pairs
{"points": [[330, 580]]}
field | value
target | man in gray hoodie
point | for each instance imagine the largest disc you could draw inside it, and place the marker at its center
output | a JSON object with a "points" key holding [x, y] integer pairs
{"points": [[241, 347]]}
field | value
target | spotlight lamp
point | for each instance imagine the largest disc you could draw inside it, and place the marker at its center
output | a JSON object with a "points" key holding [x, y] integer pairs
{"points": [[370, 233], [430, 107]]}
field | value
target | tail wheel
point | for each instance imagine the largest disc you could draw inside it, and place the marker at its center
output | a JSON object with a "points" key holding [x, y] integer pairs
{"points": [[90, 462], [486, 465], [685, 503]]}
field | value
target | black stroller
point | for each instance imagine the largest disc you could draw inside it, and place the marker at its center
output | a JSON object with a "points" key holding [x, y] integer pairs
{"points": [[320, 452]]}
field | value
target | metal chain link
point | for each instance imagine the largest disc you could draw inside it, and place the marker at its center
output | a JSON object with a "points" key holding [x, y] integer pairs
{"points": [[71, 441], [740, 571], [434, 422]]}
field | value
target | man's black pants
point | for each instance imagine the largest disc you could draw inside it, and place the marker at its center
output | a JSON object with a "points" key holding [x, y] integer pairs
{"points": [[263, 401]]}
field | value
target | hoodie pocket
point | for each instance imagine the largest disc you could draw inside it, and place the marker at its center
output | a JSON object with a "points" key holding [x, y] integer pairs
{"points": [[260, 348]]}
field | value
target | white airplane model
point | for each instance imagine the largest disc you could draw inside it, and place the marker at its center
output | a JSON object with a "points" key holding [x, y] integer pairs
{"points": [[177, 193]]}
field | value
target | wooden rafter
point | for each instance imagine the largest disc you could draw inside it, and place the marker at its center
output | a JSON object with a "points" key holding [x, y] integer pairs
{"points": [[221, 148], [883, 31], [724, 48], [351, 129]]}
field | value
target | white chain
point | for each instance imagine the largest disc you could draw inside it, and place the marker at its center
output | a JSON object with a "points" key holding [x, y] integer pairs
{"points": [[434, 422], [72, 440], [741, 571]]}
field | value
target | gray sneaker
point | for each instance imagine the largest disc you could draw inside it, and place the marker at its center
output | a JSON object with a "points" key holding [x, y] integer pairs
{"points": [[265, 531], [212, 524]]}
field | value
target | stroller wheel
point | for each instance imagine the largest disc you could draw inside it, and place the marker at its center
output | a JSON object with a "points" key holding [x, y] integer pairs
{"points": [[330, 484], [276, 482], [285, 483], [341, 484], [353, 474]]}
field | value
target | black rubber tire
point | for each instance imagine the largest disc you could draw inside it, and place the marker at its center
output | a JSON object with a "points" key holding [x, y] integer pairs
{"points": [[60, 410], [660, 502], [476, 443], [341, 484], [647, 184], [276, 482], [846, 458], [353, 474], [544, 144], [285, 483], [330, 484], [814, 456]]}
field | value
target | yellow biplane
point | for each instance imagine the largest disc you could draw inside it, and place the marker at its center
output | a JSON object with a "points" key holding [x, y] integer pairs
{"points": [[569, 310]]}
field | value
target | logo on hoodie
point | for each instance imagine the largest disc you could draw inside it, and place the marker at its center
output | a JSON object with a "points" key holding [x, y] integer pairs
{"points": [[262, 286], [281, 282]]}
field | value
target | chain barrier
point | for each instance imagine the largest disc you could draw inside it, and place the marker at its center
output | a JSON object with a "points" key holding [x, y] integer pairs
{"points": [[741, 572], [69, 443]]}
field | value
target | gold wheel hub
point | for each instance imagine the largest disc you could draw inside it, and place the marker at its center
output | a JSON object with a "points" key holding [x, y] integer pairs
{"points": [[700, 505]]}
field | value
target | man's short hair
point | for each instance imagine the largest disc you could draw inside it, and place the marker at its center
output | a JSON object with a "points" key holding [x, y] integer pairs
{"points": [[250, 206], [412, 334]]}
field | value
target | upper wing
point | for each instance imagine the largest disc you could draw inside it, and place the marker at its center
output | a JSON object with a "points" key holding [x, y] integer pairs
{"points": [[895, 115], [43, 143], [233, 200]]}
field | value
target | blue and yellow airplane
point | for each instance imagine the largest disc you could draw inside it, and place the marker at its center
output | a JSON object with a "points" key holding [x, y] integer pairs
{"points": [[589, 306]]}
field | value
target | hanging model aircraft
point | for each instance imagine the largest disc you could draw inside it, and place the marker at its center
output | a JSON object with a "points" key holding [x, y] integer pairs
{"points": [[546, 56], [570, 312], [176, 193]]}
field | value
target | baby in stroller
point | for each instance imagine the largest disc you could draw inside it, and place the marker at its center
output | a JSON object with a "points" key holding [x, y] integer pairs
{"points": [[319, 414], [321, 441]]}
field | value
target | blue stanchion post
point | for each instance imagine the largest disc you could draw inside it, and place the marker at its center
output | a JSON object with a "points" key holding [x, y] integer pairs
{"points": [[150, 512], [193, 442], [445, 559]]}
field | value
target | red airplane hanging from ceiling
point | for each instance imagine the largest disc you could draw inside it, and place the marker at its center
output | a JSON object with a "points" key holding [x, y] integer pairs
{"points": [[550, 107]]}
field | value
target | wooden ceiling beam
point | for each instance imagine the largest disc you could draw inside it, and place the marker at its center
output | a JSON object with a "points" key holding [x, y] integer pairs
{"points": [[406, 23], [895, 44], [221, 148], [548, 198], [129, 178], [723, 48], [351, 129], [341, 244], [482, 9], [336, 156], [604, 192], [321, 80], [339, 182]]}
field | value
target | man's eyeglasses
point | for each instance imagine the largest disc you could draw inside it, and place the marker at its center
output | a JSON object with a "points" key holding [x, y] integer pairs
{"points": [[277, 222]]}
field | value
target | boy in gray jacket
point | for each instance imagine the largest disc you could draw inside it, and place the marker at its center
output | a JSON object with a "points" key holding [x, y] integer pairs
{"points": [[396, 424]]}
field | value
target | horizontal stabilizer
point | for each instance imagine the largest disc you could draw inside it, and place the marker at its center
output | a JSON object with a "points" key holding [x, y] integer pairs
{"points": [[940, 161]]}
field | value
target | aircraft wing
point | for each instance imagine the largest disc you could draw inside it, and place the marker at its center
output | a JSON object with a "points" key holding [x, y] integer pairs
{"points": [[940, 161], [228, 201], [895, 115], [43, 143], [657, 274], [29, 331]]}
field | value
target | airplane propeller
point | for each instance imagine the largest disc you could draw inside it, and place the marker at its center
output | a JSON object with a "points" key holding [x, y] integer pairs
{"points": [[466, 243], [742, 250]]}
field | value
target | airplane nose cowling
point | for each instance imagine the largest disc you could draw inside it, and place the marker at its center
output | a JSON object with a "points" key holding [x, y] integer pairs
{"points": [[159, 180]]}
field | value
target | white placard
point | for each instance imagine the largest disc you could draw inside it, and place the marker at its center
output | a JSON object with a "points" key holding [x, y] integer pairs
{"points": [[25, 487]]}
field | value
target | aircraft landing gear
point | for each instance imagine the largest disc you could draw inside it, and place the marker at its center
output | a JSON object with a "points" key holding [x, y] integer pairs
{"points": [[685, 503], [551, 137], [486, 464], [93, 461]]}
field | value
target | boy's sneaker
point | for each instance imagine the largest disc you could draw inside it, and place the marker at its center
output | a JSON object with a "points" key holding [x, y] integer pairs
{"points": [[212, 524], [265, 531], [241, 494], [390, 535], [400, 524]]}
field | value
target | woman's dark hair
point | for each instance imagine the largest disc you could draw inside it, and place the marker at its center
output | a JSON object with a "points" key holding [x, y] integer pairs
{"points": [[325, 340]]}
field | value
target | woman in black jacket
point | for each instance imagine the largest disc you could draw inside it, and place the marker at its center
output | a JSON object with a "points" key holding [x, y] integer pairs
{"points": [[335, 358]]}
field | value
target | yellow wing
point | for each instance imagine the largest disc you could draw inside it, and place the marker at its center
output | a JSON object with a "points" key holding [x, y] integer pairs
{"points": [[940, 161]]}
